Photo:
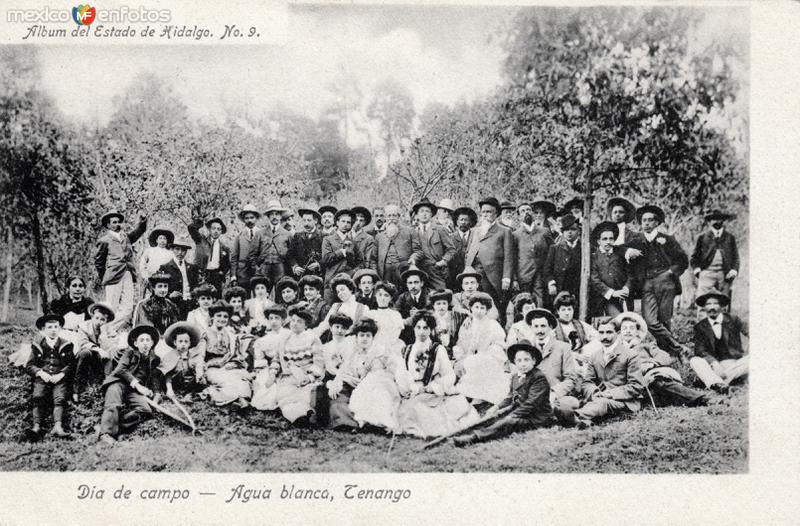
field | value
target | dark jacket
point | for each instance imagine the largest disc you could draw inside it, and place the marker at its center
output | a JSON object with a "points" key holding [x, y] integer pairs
{"points": [[730, 346], [133, 365], [437, 245], [244, 256], [563, 265], [64, 305], [202, 249], [305, 249], [273, 248], [406, 244], [530, 396], [333, 261], [175, 277], [664, 252], [609, 272], [530, 253], [495, 251], [112, 258], [366, 249], [52, 360], [369, 302], [707, 245]]}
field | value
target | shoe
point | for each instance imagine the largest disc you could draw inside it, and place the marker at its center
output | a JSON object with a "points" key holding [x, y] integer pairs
{"points": [[59, 432], [583, 424], [721, 388], [464, 441], [108, 439], [33, 434]]}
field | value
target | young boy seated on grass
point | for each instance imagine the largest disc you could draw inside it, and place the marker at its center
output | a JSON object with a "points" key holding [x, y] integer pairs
{"points": [[181, 362], [529, 396], [135, 378], [50, 365]]}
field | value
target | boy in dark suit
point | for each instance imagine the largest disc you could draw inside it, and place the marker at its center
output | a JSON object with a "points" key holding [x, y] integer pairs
{"points": [[183, 277], [211, 256], [611, 283], [529, 395], [305, 247], [715, 258]]}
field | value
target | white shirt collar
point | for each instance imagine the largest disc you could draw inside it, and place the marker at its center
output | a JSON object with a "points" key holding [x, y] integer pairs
{"points": [[652, 235], [718, 319], [717, 233]]}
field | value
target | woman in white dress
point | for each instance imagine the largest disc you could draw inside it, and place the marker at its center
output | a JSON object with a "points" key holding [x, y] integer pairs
{"points": [[345, 289], [524, 302], [259, 300], [480, 358], [199, 317], [157, 253], [390, 322], [225, 364], [433, 406], [265, 352]]}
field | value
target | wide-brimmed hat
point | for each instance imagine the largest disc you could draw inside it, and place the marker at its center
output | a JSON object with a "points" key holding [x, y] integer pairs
{"points": [[507, 205], [305, 211], [604, 226], [105, 307], [108, 215], [446, 204], [423, 202], [465, 210], [194, 334], [481, 297], [340, 213], [218, 221], [285, 282], [160, 231], [249, 209], [159, 277], [275, 308], [539, 313], [42, 320], [491, 201], [143, 329], [312, 280], [303, 313], [413, 270], [635, 317], [650, 209], [703, 298], [343, 279], [716, 213], [220, 306], [204, 289], [524, 345], [362, 210], [327, 208], [567, 221], [468, 272], [548, 207], [259, 280], [630, 208], [575, 202], [360, 273], [439, 295], [287, 214], [181, 241], [274, 205]]}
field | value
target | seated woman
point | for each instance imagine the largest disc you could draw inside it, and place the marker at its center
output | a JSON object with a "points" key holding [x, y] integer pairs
{"points": [[259, 300], [225, 366], [345, 289], [448, 321], [524, 302], [286, 293], [365, 390], [157, 310], [433, 407], [390, 322], [204, 294], [480, 358], [265, 353], [240, 318], [72, 305], [298, 370]]}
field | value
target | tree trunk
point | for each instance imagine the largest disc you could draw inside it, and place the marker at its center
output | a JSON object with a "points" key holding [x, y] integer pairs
{"points": [[40, 272], [586, 246], [9, 270]]}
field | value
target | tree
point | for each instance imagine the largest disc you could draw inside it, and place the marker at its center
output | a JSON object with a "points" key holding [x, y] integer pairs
{"points": [[392, 108]]}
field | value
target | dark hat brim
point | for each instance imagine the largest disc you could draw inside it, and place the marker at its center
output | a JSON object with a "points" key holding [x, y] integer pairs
{"points": [[417, 206], [603, 227], [414, 272], [491, 202], [524, 345], [650, 209], [306, 211], [722, 216], [575, 202], [327, 208], [103, 307], [549, 207], [143, 329], [538, 313], [194, 334], [343, 211], [703, 298], [219, 221], [104, 219], [42, 320], [362, 210], [153, 237], [464, 210]]}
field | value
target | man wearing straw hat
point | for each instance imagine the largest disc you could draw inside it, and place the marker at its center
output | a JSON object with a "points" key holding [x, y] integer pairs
{"points": [[274, 244], [114, 263], [715, 259], [211, 256], [246, 247]]}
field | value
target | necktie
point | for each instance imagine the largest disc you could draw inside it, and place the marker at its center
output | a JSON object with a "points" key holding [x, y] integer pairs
{"points": [[250, 233]]}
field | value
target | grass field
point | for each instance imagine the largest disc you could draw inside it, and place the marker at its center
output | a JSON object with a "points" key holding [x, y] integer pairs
{"points": [[710, 439]]}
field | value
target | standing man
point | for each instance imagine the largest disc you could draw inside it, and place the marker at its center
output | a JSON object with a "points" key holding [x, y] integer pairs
{"points": [[246, 247], [466, 219], [491, 254], [437, 245], [658, 270], [338, 252], [183, 276], [364, 242], [715, 260], [444, 215], [531, 244], [622, 213], [211, 256], [114, 263], [562, 269], [274, 244], [379, 221], [327, 215], [398, 247], [305, 247], [610, 280]]}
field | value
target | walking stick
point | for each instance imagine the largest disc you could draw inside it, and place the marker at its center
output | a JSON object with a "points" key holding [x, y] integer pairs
{"points": [[649, 394], [480, 422], [391, 444], [163, 411], [183, 410]]}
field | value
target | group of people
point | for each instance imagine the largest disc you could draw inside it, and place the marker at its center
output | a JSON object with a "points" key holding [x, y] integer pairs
{"points": [[361, 320]]}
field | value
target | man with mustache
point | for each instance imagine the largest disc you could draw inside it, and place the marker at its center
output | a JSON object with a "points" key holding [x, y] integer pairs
{"points": [[274, 244], [398, 247], [339, 253], [246, 247], [365, 243], [531, 243], [305, 247], [715, 260], [211, 255], [464, 219], [114, 263], [378, 221], [327, 220], [437, 245]]}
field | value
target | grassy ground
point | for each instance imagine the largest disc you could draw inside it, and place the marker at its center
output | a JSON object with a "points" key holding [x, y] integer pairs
{"points": [[711, 439]]}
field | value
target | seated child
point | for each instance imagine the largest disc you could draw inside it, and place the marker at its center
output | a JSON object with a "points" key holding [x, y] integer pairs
{"points": [[134, 377], [529, 396], [50, 365], [181, 363], [265, 350], [205, 295]]}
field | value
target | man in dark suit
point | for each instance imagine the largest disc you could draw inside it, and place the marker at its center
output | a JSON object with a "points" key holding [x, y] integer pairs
{"points": [[211, 256], [414, 299], [562, 269], [398, 247], [715, 259], [465, 218], [246, 247], [622, 212], [531, 244], [305, 247], [378, 224], [610, 278], [437, 245], [339, 254], [183, 276], [658, 270], [364, 242], [719, 355], [491, 254], [274, 244]]}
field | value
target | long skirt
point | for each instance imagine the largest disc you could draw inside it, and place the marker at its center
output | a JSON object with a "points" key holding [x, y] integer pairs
{"points": [[484, 379], [339, 413], [376, 400], [428, 415], [293, 401], [227, 385], [263, 396]]}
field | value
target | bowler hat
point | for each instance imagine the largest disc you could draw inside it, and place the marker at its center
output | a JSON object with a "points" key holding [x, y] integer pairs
{"points": [[220, 306], [722, 298], [716, 213], [465, 210], [249, 209], [340, 213], [446, 204], [439, 295], [194, 334], [604, 226], [181, 241], [42, 320], [548, 207], [567, 221], [343, 279], [468, 272], [423, 202], [364, 211], [105, 307], [327, 208], [413, 270], [273, 205], [491, 201], [630, 208], [524, 345], [650, 209], [160, 231], [159, 277], [541, 313], [305, 211], [143, 329], [312, 280], [360, 273], [109, 215], [219, 221]]}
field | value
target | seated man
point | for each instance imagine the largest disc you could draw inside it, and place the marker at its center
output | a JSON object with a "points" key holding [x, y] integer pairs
{"points": [[719, 356]]}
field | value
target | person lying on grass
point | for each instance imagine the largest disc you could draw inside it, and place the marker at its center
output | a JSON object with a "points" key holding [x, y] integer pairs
{"points": [[50, 365], [134, 379], [529, 396]]}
